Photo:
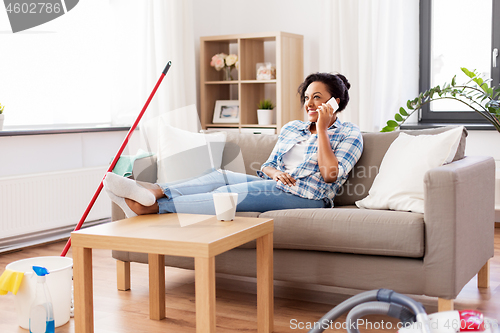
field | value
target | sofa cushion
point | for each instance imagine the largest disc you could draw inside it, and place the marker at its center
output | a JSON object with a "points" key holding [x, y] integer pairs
{"points": [[350, 230], [399, 184], [375, 145], [246, 153]]}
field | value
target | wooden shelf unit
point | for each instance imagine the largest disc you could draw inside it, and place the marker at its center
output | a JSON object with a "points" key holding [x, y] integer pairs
{"points": [[251, 49]]}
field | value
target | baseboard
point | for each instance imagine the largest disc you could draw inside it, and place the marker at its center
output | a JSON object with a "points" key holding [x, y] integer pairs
{"points": [[18, 242]]}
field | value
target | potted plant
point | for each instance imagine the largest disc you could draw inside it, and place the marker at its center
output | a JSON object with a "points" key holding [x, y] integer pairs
{"points": [[475, 93], [2, 107], [265, 112]]}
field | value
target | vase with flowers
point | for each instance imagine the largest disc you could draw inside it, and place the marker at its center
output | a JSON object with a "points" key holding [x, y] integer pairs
{"points": [[2, 107], [222, 61]]}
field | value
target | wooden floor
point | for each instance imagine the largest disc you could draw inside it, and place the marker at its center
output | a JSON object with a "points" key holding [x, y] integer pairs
{"points": [[122, 312]]}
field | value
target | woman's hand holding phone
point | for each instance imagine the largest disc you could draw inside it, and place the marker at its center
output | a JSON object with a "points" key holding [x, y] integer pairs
{"points": [[326, 114]]}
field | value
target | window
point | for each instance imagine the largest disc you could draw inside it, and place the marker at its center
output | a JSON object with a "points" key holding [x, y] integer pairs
{"points": [[454, 34], [71, 71]]}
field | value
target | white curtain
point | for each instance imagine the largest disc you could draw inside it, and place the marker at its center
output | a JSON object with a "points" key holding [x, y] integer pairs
{"points": [[158, 31], [169, 36], [375, 44]]}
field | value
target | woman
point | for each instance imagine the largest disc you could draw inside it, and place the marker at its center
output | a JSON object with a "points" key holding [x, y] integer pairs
{"points": [[306, 168]]}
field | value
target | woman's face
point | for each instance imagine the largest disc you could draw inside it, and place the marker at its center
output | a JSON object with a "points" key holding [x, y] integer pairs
{"points": [[315, 95]]}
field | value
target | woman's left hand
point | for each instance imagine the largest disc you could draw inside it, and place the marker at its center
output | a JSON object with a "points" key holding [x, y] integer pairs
{"points": [[326, 117]]}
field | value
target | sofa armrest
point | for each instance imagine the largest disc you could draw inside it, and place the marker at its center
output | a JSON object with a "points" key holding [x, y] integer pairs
{"points": [[145, 169], [459, 223]]}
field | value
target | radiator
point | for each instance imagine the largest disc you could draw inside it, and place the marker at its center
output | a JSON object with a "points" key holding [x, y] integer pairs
{"points": [[32, 205]]}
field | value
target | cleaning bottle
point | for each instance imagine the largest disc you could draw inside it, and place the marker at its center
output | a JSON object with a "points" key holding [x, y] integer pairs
{"points": [[41, 312]]}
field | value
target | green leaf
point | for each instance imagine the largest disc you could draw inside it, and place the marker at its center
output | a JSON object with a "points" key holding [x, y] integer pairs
{"points": [[398, 117], [409, 105], [388, 129], [403, 112], [392, 123], [467, 72], [454, 81]]}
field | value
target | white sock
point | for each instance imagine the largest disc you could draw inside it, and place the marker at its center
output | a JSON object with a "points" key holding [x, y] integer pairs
{"points": [[122, 203], [128, 188]]}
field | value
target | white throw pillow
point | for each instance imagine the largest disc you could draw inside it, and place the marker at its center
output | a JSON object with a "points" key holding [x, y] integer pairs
{"points": [[183, 154], [399, 185]]}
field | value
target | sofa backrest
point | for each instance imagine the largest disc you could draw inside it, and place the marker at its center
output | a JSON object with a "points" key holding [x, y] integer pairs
{"points": [[246, 153]]}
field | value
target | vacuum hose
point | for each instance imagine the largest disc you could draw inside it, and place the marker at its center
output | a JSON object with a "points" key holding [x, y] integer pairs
{"points": [[381, 301], [343, 307], [390, 309]]}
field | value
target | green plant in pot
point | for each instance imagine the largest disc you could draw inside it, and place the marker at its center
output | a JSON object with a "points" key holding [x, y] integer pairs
{"points": [[265, 112], [475, 93], [265, 104]]}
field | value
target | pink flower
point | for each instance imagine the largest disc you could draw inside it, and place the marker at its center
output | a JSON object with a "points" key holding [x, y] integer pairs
{"points": [[221, 60], [218, 61]]}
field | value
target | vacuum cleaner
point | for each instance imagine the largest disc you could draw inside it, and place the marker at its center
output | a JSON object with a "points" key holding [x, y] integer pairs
{"points": [[411, 314]]}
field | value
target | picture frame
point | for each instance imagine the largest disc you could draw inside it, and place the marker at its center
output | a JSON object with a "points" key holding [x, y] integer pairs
{"points": [[227, 111]]}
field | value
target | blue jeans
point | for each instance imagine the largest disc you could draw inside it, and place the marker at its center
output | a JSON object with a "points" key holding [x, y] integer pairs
{"points": [[254, 194]]}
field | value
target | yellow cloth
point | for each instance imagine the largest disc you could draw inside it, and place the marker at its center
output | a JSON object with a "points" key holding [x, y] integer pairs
{"points": [[10, 281]]}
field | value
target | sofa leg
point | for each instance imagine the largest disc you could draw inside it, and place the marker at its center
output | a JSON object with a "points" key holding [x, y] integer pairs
{"points": [[483, 276], [123, 275], [445, 304]]}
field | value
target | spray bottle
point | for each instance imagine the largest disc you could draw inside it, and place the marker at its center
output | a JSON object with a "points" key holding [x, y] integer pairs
{"points": [[41, 312]]}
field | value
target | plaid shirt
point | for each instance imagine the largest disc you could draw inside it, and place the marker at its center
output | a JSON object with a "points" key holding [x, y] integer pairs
{"points": [[347, 145]]}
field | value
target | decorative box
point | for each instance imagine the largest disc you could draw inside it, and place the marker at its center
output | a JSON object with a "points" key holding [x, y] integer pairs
{"points": [[266, 71]]}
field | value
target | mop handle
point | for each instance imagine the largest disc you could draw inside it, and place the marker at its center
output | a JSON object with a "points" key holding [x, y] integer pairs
{"points": [[117, 157]]}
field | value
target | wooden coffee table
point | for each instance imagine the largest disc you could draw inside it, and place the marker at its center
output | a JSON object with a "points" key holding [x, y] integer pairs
{"points": [[199, 236]]}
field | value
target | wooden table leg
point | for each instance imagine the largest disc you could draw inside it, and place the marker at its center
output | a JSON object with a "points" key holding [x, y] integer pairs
{"points": [[204, 272], [265, 286], [156, 263], [82, 280]]}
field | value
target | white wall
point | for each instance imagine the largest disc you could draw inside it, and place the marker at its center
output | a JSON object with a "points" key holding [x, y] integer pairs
{"points": [[484, 143], [225, 17]]}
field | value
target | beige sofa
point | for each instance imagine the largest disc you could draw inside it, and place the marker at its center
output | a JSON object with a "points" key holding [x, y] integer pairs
{"points": [[433, 254]]}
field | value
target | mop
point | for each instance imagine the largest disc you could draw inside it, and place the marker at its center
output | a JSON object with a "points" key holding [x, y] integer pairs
{"points": [[117, 157]]}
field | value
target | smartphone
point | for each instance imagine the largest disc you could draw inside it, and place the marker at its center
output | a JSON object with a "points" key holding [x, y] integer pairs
{"points": [[333, 102]]}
